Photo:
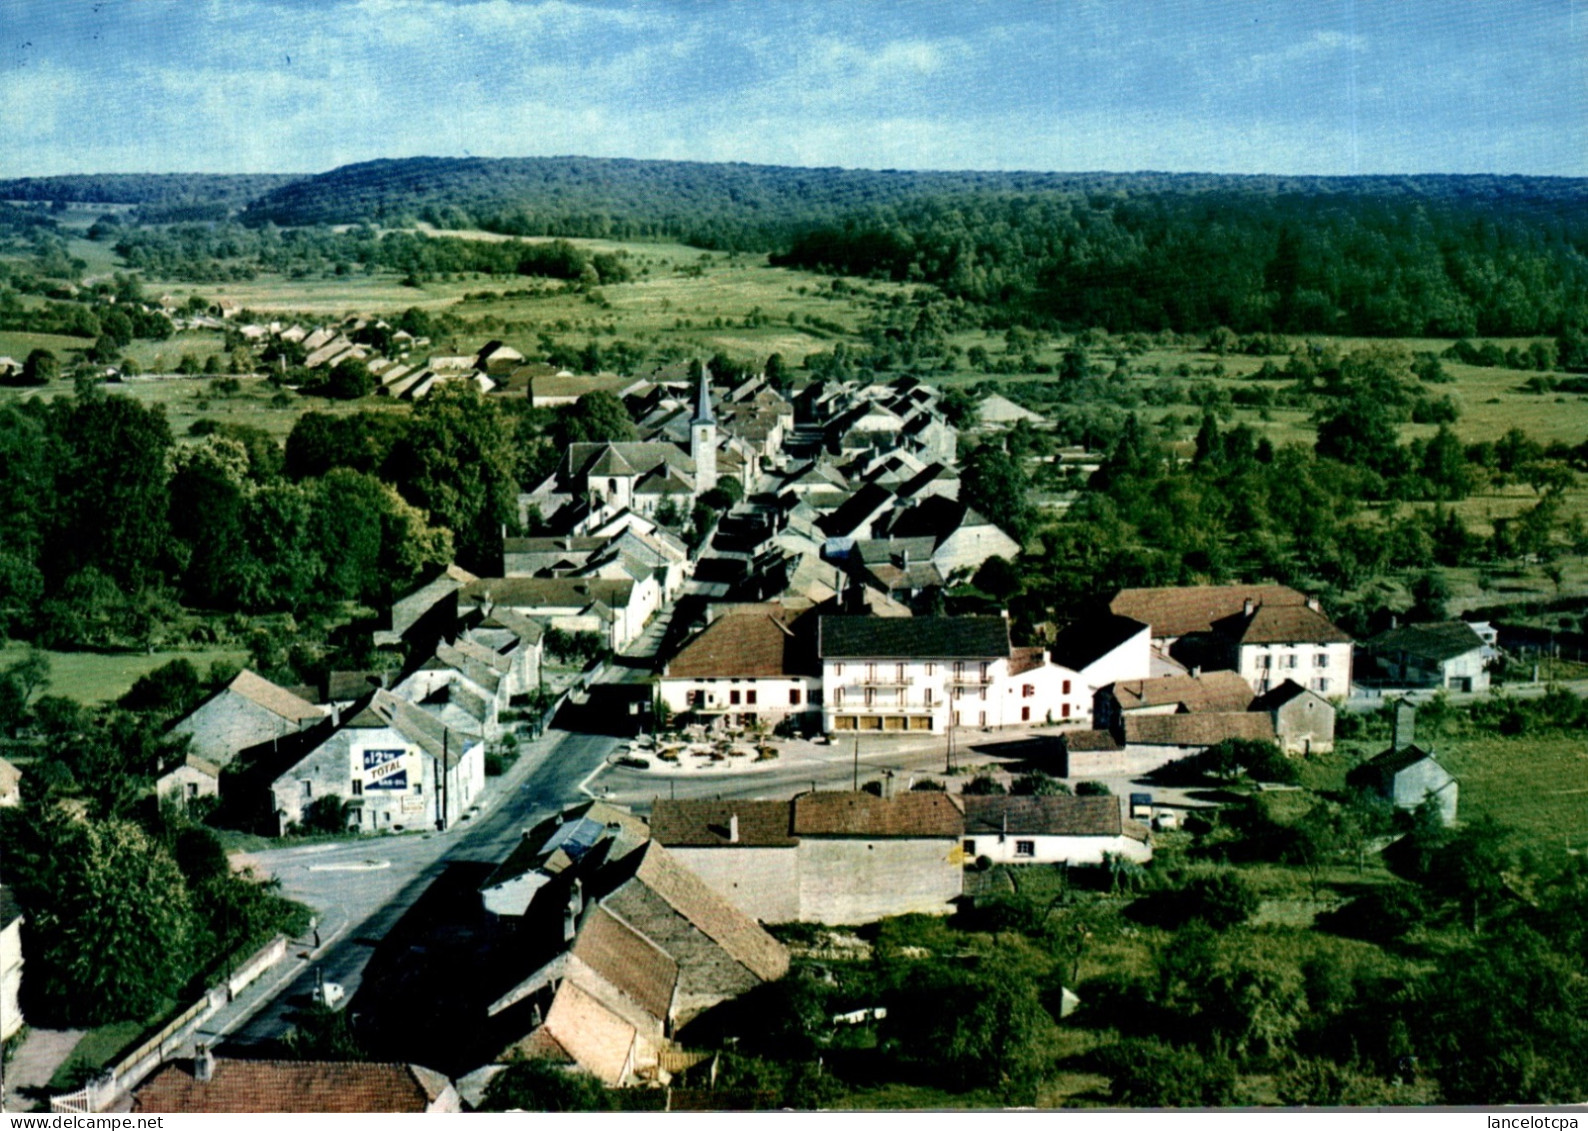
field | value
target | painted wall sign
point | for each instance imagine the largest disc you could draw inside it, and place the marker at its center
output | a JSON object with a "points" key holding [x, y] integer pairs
{"points": [[385, 769]]}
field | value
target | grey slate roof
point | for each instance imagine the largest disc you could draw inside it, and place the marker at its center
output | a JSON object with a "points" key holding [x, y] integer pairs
{"points": [[924, 638], [1435, 642]]}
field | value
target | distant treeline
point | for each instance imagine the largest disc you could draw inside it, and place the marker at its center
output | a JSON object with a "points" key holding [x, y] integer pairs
{"points": [[146, 188], [1293, 264], [221, 252]]}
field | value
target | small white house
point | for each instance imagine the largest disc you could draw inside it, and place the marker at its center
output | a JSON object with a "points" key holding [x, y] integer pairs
{"points": [[1057, 829]]}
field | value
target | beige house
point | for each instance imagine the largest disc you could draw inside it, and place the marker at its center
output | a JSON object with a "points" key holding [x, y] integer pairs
{"points": [[190, 779], [645, 947], [1267, 633], [753, 664], [248, 711], [10, 784], [838, 858]]}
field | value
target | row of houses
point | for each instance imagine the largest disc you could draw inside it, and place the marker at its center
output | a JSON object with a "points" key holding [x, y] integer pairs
{"points": [[844, 858], [769, 663]]}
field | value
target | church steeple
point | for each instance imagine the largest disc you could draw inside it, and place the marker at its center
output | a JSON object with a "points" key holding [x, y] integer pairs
{"points": [[703, 399], [703, 437]]}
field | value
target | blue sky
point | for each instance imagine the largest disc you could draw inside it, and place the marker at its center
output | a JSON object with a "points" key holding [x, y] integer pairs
{"points": [[1310, 86]]}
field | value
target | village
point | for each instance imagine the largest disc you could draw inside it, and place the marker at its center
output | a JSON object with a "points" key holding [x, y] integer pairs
{"points": [[810, 619]]}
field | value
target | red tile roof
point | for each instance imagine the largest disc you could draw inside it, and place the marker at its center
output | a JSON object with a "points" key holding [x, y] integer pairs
{"points": [[866, 815], [1210, 691], [1197, 730], [761, 641], [705, 824], [1175, 612], [291, 1086]]}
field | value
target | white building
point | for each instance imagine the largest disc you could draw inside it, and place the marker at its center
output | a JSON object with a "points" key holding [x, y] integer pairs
{"points": [[933, 673], [1052, 830], [753, 664], [392, 765]]}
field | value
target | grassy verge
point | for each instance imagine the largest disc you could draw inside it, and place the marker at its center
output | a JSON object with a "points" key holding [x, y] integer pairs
{"points": [[100, 1047], [95, 677]]}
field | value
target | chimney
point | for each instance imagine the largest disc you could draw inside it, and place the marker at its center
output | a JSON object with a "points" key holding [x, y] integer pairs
{"points": [[1314, 604], [733, 828], [203, 1063], [1405, 726], [1196, 671], [1248, 607], [570, 913]]}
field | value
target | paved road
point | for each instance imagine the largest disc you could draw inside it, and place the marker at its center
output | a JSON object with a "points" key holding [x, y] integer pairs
{"points": [[362, 888]]}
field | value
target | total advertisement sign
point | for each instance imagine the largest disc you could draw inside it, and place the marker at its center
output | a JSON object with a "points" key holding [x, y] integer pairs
{"points": [[383, 769]]}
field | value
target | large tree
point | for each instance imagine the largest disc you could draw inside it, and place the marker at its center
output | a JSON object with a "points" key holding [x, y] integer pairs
{"points": [[458, 462], [111, 924], [995, 484]]}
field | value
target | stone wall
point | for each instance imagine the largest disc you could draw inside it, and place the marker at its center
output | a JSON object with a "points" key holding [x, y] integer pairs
{"points": [[855, 880]]}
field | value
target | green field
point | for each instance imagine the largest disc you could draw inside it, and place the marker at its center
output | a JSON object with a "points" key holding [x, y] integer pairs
{"points": [[1535, 785], [94, 677]]}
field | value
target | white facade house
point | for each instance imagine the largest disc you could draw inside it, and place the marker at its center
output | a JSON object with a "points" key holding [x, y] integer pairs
{"points": [[895, 674], [1052, 830], [392, 764], [753, 664]]}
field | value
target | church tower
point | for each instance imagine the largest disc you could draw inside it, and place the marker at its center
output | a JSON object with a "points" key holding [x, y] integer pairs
{"points": [[703, 437]]}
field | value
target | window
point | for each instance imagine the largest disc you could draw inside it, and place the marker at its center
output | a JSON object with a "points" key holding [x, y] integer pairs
{"points": [[1064, 711], [697, 698], [983, 695], [984, 670], [612, 486], [1026, 848], [1025, 714], [1066, 687], [1322, 684], [1321, 660], [931, 669], [901, 673], [1027, 691], [982, 719], [793, 697], [308, 789], [928, 696], [1265, 662], [192, 789], [358, 787], [733, 698], [838, 669], [871, 673], [959, 669], [749, 698], [871, 697], [1290, 661], [969, 846], [838, 697], [419, 787]]}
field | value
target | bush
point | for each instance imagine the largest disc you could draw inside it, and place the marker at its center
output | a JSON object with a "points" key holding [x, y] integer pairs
{"points": [[984, 785], [537, 1085], [1093, 789], [1149, 1073]]}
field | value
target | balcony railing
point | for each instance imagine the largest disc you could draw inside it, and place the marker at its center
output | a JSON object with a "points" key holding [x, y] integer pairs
{"points": [[970, 679], [882, 681]]}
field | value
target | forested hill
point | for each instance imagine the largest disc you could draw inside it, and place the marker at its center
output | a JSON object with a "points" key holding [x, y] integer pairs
{"points": [[763, 207], [162, 196]]}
